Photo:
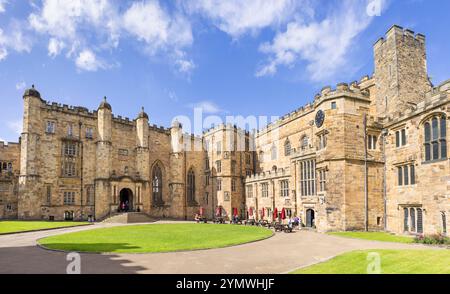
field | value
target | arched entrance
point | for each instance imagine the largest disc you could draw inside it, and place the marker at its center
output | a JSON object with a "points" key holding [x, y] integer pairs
{"points": [[126, 200], [310, 218]]}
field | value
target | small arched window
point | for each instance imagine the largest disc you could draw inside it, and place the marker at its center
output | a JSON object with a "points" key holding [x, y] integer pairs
{"points": [[287, 148], [191, 186], [274, 152], [157, 184], [435, 138], [304, 142]]}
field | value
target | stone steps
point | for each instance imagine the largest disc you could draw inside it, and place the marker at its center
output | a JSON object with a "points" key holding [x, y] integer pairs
{"points": [[129, 218]]}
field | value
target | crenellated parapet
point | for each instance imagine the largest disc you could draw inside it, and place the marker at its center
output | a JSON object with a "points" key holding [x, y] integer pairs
{"points": [[268, 175]]}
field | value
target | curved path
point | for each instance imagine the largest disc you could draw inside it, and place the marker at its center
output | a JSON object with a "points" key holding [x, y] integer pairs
{"points": [[280, 254]]}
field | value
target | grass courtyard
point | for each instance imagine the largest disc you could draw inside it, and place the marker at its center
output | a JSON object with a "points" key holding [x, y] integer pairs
{"points": [[156, 238], [374, 236], [392, 262], [26, 226]]}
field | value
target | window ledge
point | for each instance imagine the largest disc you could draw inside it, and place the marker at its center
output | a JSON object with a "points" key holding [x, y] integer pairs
{"points": [[434, 161]]}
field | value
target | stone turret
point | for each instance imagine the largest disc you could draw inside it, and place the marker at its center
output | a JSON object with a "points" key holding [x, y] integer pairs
{"points": [[104, 159], [177, 172], [29, 181], [142, 129], [400, 70], [176, 134]]}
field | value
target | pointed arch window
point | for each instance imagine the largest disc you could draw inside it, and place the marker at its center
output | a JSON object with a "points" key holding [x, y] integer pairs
{"points": [[191, 186], [287, 148], [157, 185], [435, 138]]}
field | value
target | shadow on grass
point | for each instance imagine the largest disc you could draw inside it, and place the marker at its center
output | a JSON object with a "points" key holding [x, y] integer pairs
{"points": [[90, 247]]}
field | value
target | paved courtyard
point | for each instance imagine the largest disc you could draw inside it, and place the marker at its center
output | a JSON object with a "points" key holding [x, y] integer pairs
{"points": [[278, 254]]}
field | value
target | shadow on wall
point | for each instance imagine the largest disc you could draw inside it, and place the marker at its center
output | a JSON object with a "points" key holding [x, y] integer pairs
{"points": [[35, 260]]}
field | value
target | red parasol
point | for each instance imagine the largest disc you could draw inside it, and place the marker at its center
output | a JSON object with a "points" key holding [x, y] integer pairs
{"points": [[283, 214], [275, 213], [262, 213], [235, 211], [201, 211], [250, 211]]}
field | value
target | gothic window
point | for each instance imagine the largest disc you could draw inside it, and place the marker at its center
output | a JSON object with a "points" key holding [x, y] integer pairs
{"points": [[249, 190], [218, 166], [89, 133], [50, 127], [233, 185], [322, 180], [69, 198], [413, 220], [157, 184], [233, 166], [49, 195], [400, 138], [304, 142], [274, 152], [308, 178], [435, 137], [287, 148], [219, 184], [444, 222], [284, 188], [265, 190], [191, 186]]}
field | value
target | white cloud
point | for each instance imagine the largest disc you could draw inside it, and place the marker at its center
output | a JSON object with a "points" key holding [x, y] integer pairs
{"points": [[324, 44], [14, 39], [237, 17], [150, 23], [3, 5], [88, 61], [3, 53], [207, 107], [55, 47], [20, 86]]}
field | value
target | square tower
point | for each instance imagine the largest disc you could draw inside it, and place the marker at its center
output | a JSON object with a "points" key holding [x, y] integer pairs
{"points": [[400, 70]]}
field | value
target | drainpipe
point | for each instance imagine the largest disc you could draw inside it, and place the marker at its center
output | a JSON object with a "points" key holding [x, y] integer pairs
{"points": [[81, 168], [384, 135], [366, 191]]}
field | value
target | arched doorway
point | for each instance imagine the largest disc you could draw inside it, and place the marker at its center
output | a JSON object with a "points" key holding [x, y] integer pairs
{"points": [[310, 218], [126, 200]]}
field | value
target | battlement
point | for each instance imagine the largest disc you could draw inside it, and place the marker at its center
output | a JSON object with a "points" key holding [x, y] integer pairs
{"points": [[267, 175], [225, 127], [327, 93], [75, 110], [437, 96], [399, 33]]}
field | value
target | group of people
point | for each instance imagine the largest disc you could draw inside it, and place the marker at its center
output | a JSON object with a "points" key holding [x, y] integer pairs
{"points": [[124, 206]]}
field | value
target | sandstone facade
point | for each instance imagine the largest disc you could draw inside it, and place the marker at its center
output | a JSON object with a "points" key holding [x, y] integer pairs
{"points": [[370, 155]]}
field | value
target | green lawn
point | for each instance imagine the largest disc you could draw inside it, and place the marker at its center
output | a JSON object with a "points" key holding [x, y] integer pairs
{"points": [[156, 238], [392, 262], [375, 236], [25, 226]]}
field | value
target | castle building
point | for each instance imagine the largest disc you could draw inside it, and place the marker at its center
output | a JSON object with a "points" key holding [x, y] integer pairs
{"points": [[371, 155]]}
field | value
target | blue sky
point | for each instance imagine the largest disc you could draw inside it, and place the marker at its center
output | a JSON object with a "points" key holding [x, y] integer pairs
{"points": [[254, 57]]}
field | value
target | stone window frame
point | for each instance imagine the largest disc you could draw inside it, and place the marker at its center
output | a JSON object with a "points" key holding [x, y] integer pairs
{"points": [[287, 148], [435, 135], [218, 166], [401, 137], [89, 132], [69, 198], [265, 190], [322, 138], [157, 184], [284, 188], [191, 189], [308, 177], [372, 142], [322, 179], [50, 127], [249, 191], [233, 185], [406, 174], [219, 184], [333, 105], [413, 222]]}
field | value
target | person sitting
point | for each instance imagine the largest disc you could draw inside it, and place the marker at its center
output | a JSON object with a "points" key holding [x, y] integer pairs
{"points": [[197, 218]]}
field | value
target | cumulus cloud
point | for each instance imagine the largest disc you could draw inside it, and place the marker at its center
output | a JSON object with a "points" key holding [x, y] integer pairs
{"points": [[88, 61], [236, 17], [3, 5], [323, 44], [14, 39], [55, 47]]}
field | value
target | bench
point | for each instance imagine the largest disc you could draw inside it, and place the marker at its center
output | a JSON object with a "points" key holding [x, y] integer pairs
{"points": [[250, 222]]}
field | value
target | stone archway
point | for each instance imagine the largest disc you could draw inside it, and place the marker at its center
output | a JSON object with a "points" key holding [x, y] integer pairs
{"points": [[126, 200], [310, 218]]}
